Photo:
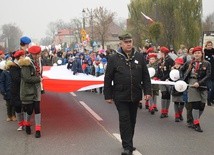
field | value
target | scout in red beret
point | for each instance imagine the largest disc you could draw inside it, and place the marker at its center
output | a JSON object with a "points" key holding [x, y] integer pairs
{"points": [[34, 50], [179, 61], [197, 48], [164, 49], [150, 50], [19, 53], [152, 55]]}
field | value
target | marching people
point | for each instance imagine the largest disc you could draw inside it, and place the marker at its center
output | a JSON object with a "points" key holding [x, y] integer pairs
{"points": [[30, 88], [128, 71], [177, 97], [164, 68], [15, 72], [209, 56], [197, 72], [152, 57], [5, 86]]}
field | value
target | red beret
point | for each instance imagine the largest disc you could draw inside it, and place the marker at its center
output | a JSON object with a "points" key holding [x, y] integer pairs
{"points": [[34, 49], [150, 50], [164, 49], [197, 48], [1, 52], [179, 61], [151, 55], [19, 53]]}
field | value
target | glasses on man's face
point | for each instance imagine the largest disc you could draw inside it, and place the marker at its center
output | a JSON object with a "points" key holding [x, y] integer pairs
{"points": [[127, 41]]}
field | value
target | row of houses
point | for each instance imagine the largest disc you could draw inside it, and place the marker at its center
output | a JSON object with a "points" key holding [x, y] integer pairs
{"points": [[70, 36]]}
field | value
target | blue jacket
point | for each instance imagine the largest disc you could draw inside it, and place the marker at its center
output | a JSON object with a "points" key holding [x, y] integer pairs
{"points": [[5, 84]]}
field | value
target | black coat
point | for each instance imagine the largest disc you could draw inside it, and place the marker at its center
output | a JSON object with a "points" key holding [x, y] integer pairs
{"points": [[209, 56], [15, 72], [164, 68], [129, 77]]}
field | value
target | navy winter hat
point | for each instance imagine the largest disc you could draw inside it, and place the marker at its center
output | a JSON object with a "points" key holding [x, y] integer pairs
{"points": [[25, 40]]}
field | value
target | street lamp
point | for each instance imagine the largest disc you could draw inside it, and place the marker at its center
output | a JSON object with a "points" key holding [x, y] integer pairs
{"points": [[83, 18]]}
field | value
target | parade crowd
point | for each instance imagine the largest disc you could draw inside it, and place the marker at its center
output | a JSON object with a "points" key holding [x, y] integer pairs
{"points": [[21, 77]]}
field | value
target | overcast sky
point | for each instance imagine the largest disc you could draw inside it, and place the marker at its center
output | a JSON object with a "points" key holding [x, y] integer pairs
{"points": [[33, 16]]}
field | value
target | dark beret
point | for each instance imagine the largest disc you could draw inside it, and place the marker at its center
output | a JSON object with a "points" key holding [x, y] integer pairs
{"points": [[125, 36], [25, 40]]}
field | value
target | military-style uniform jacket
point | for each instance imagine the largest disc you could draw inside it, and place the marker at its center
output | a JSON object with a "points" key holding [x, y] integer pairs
{"points": [[202, 74], [29, 81], [129, 77], [164, 68]]}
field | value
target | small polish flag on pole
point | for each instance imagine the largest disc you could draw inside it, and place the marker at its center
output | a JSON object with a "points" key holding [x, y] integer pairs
{"points": [[147, 17]]}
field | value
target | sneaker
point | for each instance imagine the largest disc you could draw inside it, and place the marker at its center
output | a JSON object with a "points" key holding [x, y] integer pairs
{"points": [[13, 118], [8, 119], [28, 130], [37, 134], [20, 128]]}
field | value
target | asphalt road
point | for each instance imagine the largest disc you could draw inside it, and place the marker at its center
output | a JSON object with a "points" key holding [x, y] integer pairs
{"points": [[82, 123]]}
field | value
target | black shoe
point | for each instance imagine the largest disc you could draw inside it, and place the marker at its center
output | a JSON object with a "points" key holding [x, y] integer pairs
{"points": [[155, 109], [166, 115], [152, 111], [181, 118], [126, 152], [28, 130], [209, 104], [38, 134], [140, 106], [134, 148], [177, 120], [162, 115], [146, 106], [198, 128]]}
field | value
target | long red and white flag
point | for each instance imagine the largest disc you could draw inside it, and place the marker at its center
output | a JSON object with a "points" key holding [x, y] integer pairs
{"points": [[147, 17]]}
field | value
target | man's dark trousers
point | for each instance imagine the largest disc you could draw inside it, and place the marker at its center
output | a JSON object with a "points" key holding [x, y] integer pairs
{"points": [[127, 119]]}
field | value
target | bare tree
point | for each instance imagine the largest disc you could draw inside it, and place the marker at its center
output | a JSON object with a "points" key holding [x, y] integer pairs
{"points": [[11, 34], [208, 24], [102, 20]]}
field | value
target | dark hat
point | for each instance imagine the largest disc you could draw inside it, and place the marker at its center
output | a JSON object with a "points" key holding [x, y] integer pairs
{"points": [[18, 53], [197, 48], [125, 36], [25, 40], [34, 49]]}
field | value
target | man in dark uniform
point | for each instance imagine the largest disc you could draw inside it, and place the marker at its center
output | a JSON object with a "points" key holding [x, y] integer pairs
{"points": [[128, 71], [209, 56]]}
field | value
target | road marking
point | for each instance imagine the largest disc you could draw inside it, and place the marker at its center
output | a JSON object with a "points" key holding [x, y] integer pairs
{"points": [[91, 111], [117, 136], [73, 94]]}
